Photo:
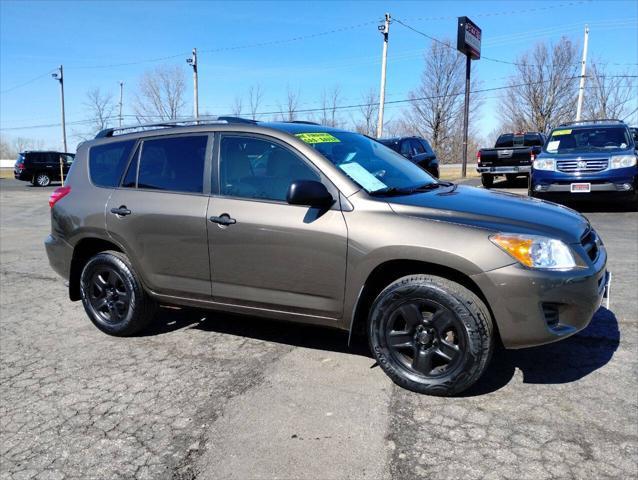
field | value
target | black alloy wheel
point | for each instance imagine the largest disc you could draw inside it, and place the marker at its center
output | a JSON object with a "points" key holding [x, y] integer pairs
{"points": [[113, 295], [430, 335], [108, 295], [425, 337]]}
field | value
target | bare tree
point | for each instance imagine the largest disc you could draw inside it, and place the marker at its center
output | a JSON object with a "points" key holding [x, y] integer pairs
{"points": [[161, 94], [366, 122], [6, 150], [100, 108], [329, 106], [255, 96], [436, 105], [238, 106], [608, 96], [289, 110], [20, 144], [543, 91]]}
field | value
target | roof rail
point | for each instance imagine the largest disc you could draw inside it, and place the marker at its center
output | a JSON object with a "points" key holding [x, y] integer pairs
{"points": [[304, 122], [586, 122], [108, 132]]}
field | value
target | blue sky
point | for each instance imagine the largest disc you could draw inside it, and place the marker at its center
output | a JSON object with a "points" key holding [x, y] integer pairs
{"points": [[87, 37]]}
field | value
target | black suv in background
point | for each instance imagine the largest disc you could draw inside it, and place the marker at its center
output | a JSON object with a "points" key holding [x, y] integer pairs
{"points": [[417, 150], [41, 168]]}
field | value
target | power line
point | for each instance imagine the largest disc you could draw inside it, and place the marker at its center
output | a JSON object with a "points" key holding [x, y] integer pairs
{"points": [[15, 87], [321, 109], [496, 60]]}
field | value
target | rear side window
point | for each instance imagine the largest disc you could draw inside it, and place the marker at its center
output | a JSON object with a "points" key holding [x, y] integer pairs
{"points": [[505, 141], [533, 141], [107, 162], [417, 147], [173, 163]]}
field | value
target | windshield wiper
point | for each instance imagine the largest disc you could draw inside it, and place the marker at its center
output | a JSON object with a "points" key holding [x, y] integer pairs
{"points": [[388, 191]]}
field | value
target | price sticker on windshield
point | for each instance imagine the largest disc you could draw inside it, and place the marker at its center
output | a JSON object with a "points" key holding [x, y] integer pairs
{"points": [[317, 138], [556, 133]]}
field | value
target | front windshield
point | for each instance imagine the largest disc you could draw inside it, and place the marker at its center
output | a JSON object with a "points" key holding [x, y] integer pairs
{"points": [[564, 140], [373, 166]]}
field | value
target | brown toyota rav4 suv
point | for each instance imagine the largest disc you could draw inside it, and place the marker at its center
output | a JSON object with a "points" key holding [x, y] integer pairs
{"points": [[305, 223]]}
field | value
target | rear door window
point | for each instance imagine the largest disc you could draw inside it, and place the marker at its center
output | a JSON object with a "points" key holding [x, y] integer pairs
{"points": [[173, 163], [107, 162], [417, 147]]}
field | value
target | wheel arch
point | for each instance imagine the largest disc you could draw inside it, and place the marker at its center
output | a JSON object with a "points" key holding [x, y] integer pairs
{"points": [[387, 272], [83, 251]]}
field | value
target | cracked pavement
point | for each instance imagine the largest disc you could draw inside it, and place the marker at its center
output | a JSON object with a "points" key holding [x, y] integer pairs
{"points": [[204, 395]]}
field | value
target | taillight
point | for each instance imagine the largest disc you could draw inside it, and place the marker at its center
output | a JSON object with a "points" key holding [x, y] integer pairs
{"points": [[478, 157], [532, 157], [58, 194]]}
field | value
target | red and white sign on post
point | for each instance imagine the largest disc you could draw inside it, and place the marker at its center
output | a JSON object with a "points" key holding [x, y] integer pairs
{"points": [[468, 42], [468, 39]]}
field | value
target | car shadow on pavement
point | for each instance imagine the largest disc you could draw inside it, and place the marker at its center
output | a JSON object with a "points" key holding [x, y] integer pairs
{"points": [[561, 362], [288, 333]]}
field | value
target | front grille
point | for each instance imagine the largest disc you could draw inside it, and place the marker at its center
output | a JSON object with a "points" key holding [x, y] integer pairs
{"points": [[589, 242], [587, 166]]}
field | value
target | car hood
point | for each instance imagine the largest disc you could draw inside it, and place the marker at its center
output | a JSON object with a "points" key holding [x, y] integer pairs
{"points": [[497, 211]]}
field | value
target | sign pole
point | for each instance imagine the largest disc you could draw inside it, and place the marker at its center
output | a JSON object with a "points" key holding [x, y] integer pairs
{"points": [[468, 42], [466, 113]]}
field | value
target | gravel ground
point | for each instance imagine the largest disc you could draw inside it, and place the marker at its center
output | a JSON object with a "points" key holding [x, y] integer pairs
{"points": [[217, 396]]}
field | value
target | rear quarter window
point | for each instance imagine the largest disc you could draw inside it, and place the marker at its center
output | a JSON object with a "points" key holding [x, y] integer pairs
{"points": [[173, 164], [107, 162]]}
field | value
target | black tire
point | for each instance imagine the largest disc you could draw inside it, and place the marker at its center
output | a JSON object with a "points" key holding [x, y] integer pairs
{"points": [[430, 335], [41, 180], [113, 296], [487, 180]]}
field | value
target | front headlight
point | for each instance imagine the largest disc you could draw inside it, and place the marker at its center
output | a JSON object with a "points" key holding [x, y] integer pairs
{"points": [[622, 161], [544, 164], [536, 252]]}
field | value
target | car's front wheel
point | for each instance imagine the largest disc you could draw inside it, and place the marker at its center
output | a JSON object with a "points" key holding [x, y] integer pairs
{"points": [[430, 335], [113, 296]]}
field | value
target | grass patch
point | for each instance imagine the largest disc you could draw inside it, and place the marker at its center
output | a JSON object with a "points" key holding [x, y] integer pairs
{"points": [[455, 173], [6, 172]]}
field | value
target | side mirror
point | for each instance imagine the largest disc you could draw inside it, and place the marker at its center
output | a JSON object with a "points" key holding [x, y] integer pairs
{"points": [[310, 193]]}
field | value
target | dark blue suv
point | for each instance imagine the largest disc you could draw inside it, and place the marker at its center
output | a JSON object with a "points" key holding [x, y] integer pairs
{"points": [[584, 158]]}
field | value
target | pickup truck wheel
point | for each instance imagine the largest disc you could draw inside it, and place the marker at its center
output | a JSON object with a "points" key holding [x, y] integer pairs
{"points": [[487, 180], [511, 177], [430, 335], [113, 296]]}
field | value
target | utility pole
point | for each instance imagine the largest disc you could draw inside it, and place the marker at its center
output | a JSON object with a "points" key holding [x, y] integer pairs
{"points": [[121, 97], [385, 30], [583, 68], [193, 63], [59, 76]]}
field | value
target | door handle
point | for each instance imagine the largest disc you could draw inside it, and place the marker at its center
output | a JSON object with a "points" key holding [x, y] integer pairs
{"points": [[121, 211], [223, 219]]}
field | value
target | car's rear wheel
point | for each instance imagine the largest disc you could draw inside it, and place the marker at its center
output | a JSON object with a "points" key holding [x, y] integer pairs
{"points": [[430, 335], [487, 180], [41, 180], [113, 296]]}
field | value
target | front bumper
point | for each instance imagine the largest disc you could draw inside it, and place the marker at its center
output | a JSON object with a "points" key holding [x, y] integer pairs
{"points": [[622, 181], [534, 307], [497, 170], [60, 254]]}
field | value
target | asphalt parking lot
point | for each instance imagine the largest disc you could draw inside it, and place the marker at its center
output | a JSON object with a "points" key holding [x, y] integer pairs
{"points": [[204, 395]]}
